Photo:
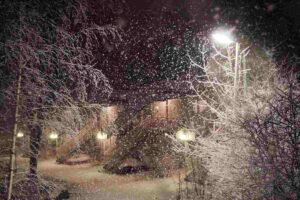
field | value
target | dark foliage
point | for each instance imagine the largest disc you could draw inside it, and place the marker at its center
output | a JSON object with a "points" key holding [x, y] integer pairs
{"points": [[275, 135], [132, 169], [63, 195]]}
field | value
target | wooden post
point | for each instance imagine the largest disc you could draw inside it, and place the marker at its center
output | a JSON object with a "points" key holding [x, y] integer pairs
{"points": [[153, 110], [167, 110]]}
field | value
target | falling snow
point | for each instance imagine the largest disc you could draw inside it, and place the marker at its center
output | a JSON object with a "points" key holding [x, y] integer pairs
{"points": [[134, 99]]}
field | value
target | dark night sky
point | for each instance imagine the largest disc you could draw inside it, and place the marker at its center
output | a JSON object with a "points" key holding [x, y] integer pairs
{"points": [[272, 25], [270, 22], [148, 27]]}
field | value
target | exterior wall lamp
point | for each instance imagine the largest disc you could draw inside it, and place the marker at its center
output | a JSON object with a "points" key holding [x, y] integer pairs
{"points": [[53, 136], [20, 134], [101, 136], [185, 135]]}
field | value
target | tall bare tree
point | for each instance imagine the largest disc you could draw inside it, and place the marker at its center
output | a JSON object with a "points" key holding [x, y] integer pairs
{"points": [[234, 85]]}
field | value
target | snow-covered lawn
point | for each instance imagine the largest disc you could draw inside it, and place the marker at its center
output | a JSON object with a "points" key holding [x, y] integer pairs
{"points": [[88, 182]]}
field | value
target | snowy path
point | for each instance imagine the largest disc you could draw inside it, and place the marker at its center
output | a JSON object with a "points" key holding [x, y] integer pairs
{"points": [[89, 184], [130, 192]]}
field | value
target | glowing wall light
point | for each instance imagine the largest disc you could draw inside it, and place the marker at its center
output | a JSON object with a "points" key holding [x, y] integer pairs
{"points": [[101, 136], [53, 136], [185, 135], [20, 135]]}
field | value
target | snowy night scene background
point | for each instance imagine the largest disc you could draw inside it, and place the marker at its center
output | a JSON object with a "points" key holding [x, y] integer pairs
{"points": [[150, 99]]}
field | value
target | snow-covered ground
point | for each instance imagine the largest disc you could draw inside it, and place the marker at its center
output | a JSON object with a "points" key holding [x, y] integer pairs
{"points": [[88, 182]]}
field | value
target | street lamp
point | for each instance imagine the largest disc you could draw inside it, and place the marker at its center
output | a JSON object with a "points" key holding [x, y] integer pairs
{"points": [[225, 38], [222, 37]]}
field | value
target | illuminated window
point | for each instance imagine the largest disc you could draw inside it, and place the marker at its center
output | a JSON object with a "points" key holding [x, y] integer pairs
{"points": [[160, 109]]}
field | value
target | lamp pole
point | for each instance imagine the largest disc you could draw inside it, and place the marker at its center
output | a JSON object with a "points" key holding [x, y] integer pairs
{"points": [[186, 135], [245, 73], [54, 137], [236, 68], [102, 136]]}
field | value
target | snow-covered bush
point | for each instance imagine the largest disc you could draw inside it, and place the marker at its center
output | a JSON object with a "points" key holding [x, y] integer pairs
{"points": [[149, 146]]}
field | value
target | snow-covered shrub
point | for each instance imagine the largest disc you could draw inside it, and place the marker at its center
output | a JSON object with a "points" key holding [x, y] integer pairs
{"points": [[146, 145]]}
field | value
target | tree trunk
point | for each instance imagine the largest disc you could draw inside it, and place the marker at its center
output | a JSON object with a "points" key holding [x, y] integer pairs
{"points": [[35, 140], [14, 136]]}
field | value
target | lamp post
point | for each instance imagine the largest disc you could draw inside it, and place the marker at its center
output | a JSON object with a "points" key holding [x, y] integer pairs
{"points": [[225, 38], [21, 142], [185, 135], [54, 136], [20, 136], [102, 136]]}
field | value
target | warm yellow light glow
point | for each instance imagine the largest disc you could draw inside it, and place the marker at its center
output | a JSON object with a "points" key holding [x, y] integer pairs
{"points": [[53, 136], [20, 134], [185, 135], [222, 38], [101, 136]]}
